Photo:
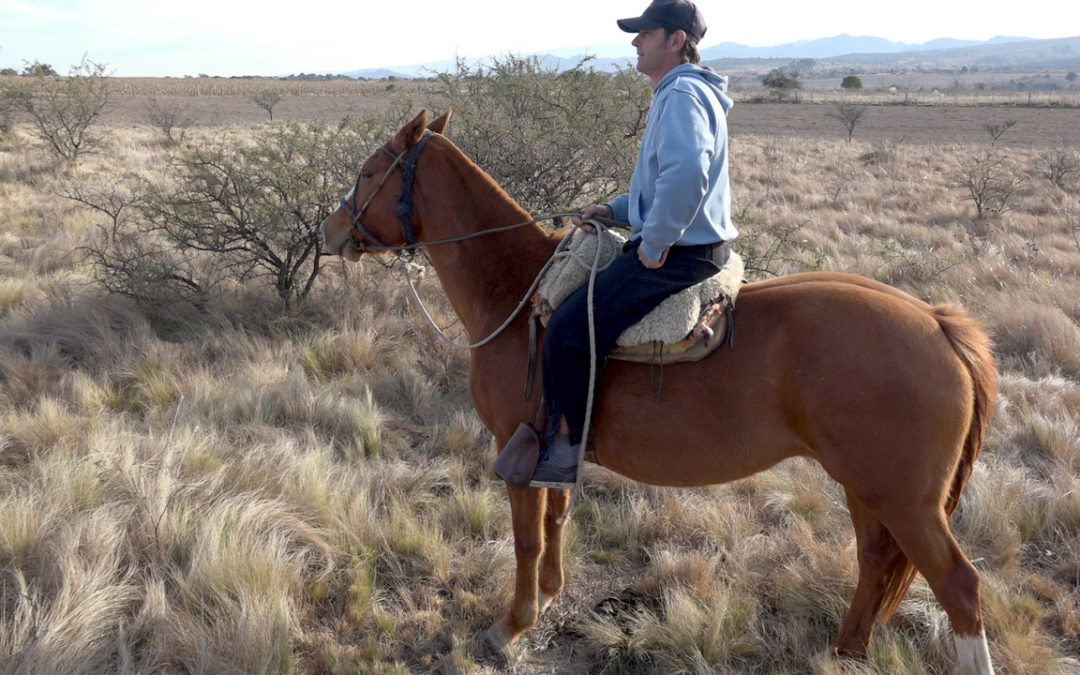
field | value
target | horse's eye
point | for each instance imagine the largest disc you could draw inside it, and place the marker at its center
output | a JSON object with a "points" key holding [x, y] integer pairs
{"points": [[365, 175]]}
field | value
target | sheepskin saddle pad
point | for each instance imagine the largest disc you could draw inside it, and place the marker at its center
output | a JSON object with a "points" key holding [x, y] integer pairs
{"points": [[685, 327]]}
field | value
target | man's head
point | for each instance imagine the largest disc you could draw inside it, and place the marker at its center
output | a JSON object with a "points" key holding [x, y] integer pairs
{"points": [[670, 14], [682, 25]]}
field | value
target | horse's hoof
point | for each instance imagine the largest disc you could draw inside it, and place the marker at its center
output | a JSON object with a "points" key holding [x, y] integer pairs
{"points": [[543, 601], [498, 639]]}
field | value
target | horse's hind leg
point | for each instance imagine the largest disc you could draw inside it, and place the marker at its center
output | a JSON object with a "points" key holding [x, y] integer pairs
{"points": [[923, 533], [884, 577], [551, 570], [527, 509]]}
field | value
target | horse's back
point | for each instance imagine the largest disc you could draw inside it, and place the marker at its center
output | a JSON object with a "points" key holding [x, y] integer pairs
{"points": [[841, 368], [818, 279]]}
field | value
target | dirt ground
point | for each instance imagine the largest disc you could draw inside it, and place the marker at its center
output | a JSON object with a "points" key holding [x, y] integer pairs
{"points": [[916, 124], [922, 124]]}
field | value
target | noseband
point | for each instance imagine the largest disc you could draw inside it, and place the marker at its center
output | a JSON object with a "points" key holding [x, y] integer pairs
{"points": [[403, 210]]}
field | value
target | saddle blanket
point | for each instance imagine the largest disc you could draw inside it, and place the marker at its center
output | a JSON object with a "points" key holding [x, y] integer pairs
{"points": [[684, 327]]}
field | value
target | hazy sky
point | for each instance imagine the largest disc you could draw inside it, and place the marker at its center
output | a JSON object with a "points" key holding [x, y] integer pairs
{"points": [[239, 37]]}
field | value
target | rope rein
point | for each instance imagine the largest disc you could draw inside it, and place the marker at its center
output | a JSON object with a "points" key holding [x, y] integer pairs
{"points": [[561, 251], [593, 270]]}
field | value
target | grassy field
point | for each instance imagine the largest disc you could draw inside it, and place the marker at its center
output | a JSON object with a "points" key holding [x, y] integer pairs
{"points": [[242, 490]]}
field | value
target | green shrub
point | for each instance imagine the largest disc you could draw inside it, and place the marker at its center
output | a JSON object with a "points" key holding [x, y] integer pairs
{"points": [[552, 139]]}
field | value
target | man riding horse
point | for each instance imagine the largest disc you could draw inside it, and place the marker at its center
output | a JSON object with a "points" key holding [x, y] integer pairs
{"points": [[679, 207]]}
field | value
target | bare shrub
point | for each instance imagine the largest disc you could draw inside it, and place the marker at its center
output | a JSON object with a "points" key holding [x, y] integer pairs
{"points": [[172, 119], [8, 108], [63, 110], [771, 250], [848, 114], [1059, 163], [908, 263], [990, 181], [552, 139], [234, 213]]}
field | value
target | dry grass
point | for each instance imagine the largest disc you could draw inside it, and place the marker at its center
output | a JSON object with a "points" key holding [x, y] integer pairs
{"points": [[241, 491]]}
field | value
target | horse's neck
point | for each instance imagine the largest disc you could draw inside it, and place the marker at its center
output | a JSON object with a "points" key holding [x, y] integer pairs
{"points": [[484, 277]]}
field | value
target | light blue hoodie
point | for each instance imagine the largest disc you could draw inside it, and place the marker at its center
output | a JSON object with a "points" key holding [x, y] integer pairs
{"points": [[680, 191]]}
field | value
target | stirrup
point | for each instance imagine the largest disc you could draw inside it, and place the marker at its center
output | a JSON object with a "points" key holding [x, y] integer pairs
{"points": [[517, 461]]}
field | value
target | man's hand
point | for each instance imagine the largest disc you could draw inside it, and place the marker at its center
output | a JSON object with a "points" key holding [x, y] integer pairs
{"points": [[594, 211], [649, 263]]}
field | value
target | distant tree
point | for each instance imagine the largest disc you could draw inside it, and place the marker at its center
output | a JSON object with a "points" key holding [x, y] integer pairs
{"points": [[780, 82], [8, 72], [848, 115], [267, 99], [998, 129], [1071, 77], [852, 82], [37, 69]]}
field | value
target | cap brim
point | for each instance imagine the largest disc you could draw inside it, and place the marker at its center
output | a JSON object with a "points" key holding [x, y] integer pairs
{"points": [[637, 24]]}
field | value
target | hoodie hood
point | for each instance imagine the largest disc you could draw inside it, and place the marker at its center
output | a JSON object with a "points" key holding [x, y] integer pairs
{"points": [[707, 76]]}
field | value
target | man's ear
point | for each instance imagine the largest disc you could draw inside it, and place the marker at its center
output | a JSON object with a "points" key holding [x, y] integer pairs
{"points": [[677, 40]]}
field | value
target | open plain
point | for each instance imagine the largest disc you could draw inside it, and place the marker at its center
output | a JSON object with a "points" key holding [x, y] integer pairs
{"points": [[242, 488]]}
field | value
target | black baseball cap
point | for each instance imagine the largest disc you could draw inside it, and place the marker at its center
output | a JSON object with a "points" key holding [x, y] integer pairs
{"points": [[672, 14]]}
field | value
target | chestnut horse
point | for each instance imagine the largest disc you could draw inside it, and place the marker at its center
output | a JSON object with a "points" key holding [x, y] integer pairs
{"points": [[890, 395]]}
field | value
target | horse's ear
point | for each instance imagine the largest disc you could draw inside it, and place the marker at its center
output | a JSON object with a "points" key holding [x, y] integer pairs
{"points": [[412, 132], [441, 124]]}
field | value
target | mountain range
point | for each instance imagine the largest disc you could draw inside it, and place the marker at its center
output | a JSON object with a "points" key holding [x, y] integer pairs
{"points": [[1000, 51]]}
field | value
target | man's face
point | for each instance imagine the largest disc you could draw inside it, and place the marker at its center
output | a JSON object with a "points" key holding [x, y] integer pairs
{"points": [[657, 54]]}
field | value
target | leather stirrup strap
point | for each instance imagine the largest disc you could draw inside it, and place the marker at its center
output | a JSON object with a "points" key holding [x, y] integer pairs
{"points": [[534, 321]]}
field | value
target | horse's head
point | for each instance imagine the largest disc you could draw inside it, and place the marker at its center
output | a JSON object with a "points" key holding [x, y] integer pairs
{"points": [[376, 215]]}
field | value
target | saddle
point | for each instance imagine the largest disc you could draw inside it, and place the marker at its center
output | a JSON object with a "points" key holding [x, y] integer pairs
{"points": [[685, 327]]}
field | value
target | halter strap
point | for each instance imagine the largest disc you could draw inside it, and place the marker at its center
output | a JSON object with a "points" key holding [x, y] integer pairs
{"points": [[404, 208]]}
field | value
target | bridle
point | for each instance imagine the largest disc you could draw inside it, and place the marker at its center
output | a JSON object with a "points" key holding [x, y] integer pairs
{"points": [[403, 210]]}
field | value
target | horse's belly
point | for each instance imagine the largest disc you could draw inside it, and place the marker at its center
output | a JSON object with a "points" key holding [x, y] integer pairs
{"points": [[663, 443]]}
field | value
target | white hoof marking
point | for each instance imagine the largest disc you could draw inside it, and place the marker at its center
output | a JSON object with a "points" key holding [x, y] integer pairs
{"points": [[973, 654]]}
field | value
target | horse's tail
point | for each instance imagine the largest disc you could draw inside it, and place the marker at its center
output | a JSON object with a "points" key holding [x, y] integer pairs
{"points": [[972, 345]]}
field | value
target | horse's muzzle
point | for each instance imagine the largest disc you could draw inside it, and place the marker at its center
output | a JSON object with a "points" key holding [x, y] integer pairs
{"points": [[336, 237]]}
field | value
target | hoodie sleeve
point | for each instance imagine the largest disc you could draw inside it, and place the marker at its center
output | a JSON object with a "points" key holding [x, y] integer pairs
{"points": [[683, 156], [620, 208]]}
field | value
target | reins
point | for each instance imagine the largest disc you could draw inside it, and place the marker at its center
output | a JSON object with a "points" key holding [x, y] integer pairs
{"points": [[561, 251], [403, 211]]}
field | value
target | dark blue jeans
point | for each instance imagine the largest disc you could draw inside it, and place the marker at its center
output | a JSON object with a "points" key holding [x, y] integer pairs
{"points": [[623, 294]]}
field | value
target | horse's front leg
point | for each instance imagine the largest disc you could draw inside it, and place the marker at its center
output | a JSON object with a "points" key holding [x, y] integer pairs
{"points": [[551, 569], [527, 511]]}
